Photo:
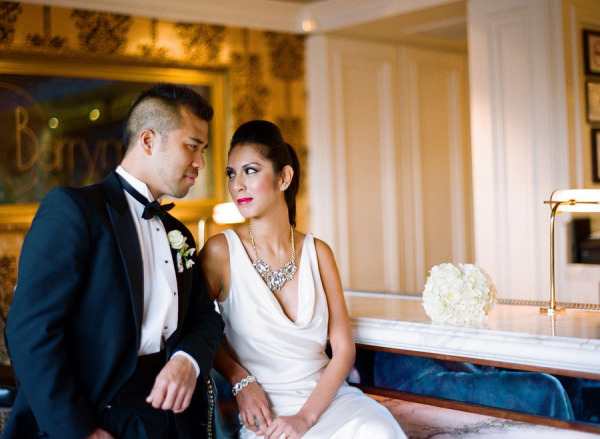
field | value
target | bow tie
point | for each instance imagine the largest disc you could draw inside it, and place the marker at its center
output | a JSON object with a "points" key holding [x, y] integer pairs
{"points": [[156, 209], [151, 209]]}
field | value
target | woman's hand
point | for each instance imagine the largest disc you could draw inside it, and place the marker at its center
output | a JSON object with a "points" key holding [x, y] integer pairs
{"points": [[254, 406], [293, 427]]}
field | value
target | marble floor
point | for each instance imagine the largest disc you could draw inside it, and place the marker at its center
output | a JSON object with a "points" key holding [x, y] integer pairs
{"points": [[427, 422]]}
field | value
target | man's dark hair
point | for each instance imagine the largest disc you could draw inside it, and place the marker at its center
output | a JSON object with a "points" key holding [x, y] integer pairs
{"points": [[158, 109]]}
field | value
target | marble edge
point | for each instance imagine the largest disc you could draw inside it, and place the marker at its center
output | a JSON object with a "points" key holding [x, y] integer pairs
{"points": [[355, 293], [582, 355]]}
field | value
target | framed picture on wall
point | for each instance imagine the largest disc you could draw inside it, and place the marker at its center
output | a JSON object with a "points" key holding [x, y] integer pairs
{"points": [[62, 124], [593, 102], [596, 155], [591, 50]]}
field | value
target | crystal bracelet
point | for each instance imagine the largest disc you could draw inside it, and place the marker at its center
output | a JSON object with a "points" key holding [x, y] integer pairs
{"points": [[239, 386]]}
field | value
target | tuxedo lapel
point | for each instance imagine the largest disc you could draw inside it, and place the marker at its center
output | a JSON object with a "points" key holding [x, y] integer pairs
{"points": [[129, 247]]}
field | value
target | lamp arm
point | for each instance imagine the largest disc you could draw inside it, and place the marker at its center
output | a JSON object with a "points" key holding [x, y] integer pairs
{"points": [[552, 218], [592, 197]]}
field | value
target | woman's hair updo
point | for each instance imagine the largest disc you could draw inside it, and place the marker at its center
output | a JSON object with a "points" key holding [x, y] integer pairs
{"points": [[270, 144]]}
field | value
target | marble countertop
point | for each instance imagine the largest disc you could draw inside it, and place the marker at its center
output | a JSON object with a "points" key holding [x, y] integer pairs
{"points": [[515, 334]]}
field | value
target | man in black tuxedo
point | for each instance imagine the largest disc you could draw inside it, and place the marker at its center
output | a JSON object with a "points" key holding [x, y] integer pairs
{"points": [[111, 332]]}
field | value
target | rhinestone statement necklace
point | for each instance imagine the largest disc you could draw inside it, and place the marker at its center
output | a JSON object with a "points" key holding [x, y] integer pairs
{"points": [[274, 279]]}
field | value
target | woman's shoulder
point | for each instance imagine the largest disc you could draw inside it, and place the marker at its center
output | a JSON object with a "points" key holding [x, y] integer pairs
{"points": [[215, 248], [322, 249]]}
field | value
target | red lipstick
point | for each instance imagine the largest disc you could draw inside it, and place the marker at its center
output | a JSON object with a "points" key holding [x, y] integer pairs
{"points": [[242, 201]]}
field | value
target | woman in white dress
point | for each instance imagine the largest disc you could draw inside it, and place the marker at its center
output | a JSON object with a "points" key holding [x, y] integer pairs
{"points": [[277, 321]]}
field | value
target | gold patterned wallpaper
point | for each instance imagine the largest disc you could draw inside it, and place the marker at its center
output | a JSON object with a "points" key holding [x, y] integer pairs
{"points": [[265, 69]]}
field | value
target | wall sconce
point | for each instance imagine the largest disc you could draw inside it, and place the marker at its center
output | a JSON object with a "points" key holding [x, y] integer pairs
{"points": [[567, 200], [227, 213], [222, 214], [307, 21]]}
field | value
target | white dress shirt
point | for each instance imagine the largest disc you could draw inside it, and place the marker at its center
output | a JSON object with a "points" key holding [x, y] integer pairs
{"points": [[161, 304]]}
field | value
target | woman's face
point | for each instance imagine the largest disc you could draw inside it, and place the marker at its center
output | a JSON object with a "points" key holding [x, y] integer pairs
{"points": [[253, 185]]}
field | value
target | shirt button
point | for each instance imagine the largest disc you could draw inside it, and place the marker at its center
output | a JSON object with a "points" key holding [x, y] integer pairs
{"points": [[157, 229], [174, 293], [166, 262], [166, 327]]}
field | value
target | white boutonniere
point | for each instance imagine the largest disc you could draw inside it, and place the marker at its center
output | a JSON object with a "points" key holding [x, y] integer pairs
{"points": [[184, 252]]}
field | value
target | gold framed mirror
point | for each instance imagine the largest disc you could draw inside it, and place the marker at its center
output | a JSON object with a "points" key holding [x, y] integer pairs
{"points": [[62, 124]]}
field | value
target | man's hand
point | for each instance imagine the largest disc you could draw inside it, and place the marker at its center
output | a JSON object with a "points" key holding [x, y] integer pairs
{"points": [[98, 433], [174, 385]]}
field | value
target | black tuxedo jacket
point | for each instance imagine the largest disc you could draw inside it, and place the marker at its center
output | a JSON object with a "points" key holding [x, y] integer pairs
{"points": [[74, 325]]}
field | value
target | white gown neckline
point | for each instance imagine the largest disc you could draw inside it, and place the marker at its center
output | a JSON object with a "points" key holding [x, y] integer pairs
{"points": [[266, 289]]}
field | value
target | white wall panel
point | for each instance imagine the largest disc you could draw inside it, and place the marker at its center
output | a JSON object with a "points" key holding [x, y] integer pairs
{"points": [[389, 160], [363, 95], [517, 138], [352, 144], [434, 161]]}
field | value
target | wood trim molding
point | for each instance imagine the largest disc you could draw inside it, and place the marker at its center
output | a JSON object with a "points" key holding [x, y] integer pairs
{"points": [[415, 187], [457, 168], [17, 217], [255, 14], [319, 135], [478, 409], [406, 180], [339, 165], [388, 164], [336, 14], [272, 15]]}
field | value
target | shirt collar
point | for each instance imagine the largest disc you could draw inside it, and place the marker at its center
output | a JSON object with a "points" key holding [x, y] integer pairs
{"points": [[138, 185]]}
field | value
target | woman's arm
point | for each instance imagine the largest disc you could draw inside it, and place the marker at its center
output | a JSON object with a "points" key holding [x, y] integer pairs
{"points": [[252, 401], [343, 352], [214, 261]]}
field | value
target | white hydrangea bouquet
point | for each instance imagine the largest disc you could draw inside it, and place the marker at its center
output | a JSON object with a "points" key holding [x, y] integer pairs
{"points": [[460, 295]]}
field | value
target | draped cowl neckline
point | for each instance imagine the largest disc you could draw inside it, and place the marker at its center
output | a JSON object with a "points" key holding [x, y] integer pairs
{"points": [[304, 291]]}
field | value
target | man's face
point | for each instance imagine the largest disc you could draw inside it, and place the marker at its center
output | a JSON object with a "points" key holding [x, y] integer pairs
{"points": [[179, 157]]}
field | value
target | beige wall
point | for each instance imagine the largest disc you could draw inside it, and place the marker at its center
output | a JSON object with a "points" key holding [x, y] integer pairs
{"points": [[436, 91], [389, 159]]}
